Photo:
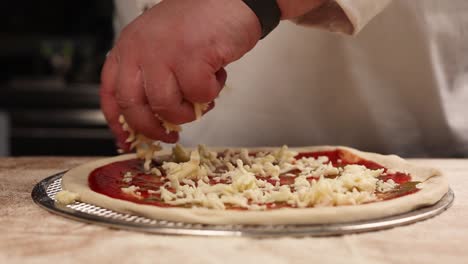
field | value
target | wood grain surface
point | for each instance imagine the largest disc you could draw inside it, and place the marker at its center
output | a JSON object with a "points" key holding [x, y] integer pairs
{"points": [[29, 234]]}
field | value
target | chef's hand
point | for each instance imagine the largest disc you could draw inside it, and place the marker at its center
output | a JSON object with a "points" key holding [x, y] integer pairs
{"points": [[173, 56]]}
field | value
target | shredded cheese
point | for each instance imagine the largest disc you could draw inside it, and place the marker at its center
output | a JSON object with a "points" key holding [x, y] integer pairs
{"points": [[197, 108], [386, 186], [128, 177], [353, 184], [191, 169], [133, 191], [252, 181], [170, 127], [146, 148], [66, 197]]}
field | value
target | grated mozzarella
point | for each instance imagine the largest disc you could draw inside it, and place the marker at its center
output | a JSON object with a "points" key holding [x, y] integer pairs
{"points": [[132, 190], [241, 178], [66, 197], [147, 148], [353, 184], [386, 186]]}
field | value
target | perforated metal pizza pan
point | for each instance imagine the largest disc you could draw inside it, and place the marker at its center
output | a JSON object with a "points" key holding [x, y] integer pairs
{"points": [[44, 195]]}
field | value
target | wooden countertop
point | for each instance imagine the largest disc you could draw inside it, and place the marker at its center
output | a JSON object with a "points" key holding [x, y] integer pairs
{"points": [[30, 234]]}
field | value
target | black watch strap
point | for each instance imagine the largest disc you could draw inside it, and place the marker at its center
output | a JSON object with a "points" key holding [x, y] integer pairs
{"points": [[268, 13]]}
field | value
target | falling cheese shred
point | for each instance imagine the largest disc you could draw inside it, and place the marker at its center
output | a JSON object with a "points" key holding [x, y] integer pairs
{"points": [[197, 108], [146, 149], [170, 127]]}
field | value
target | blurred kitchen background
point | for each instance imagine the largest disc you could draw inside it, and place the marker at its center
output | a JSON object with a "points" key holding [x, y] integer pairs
{"points": [[51, 54]]}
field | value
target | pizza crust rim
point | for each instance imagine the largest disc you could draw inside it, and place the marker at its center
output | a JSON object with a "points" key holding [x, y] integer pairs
{"points": [[435, 186]]}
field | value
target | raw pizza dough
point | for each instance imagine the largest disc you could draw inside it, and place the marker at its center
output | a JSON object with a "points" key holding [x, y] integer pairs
{"points": [[434, 187]]}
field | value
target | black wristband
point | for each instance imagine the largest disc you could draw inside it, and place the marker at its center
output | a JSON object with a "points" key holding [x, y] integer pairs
{"points": [[268, 13]]}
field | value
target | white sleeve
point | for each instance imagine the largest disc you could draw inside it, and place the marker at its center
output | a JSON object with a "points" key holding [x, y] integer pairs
{"points": [[126, 11], [344, 16]]}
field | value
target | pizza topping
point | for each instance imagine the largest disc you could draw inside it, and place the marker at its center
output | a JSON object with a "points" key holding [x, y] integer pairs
{"points": [[359, 177], [254, 181], [179, 154], [191, 169], [66, 197], [386, 186], [127, 178], [261, 180], [133, 191], [146, 148]]}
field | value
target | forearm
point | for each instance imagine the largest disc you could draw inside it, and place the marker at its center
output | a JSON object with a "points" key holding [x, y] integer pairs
{"points": [[295, 8]]}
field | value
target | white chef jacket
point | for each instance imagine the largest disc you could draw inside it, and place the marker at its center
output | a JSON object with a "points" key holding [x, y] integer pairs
{"points": [[399, 85]]}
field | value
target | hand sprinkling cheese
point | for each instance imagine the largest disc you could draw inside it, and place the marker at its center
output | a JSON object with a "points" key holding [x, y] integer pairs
{"points": [[146, 148]]}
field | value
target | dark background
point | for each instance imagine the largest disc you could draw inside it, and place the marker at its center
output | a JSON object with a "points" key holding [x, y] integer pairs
{"points": [[51, 54]]}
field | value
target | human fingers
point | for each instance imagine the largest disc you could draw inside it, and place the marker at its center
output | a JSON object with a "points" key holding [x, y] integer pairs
{"points": [[164, 95], [133, 105], [198, 81], [109, 104]]}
